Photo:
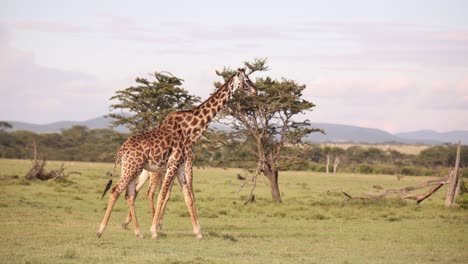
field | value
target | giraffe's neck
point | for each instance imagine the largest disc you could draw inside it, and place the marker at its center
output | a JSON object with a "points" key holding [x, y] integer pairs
{"points": [[209, 108]]}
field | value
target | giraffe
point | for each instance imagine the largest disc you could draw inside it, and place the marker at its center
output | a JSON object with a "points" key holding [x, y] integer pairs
{"points": [[169, 148]]}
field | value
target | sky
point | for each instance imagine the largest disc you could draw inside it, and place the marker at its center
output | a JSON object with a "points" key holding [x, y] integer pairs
{"points": [[394, 65]]}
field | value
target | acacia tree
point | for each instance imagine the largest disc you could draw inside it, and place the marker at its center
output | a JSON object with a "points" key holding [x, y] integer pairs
{"points": [[270, 119], [146, 105]]}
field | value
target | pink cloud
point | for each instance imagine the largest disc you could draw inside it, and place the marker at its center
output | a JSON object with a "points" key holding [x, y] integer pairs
{"points": [[36, 93], [447, 95], [451, 36], [355, 88], [45, 26]]}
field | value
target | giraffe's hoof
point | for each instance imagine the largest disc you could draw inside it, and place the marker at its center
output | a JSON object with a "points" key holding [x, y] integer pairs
{"points": [[98, 234], [125, 225], [154, 237], [141, 236], [199, 236]]}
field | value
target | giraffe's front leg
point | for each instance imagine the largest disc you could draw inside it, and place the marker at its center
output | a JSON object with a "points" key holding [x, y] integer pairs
{"points": [[189, 171], [189, 197], [163, 195], [192, 210], [163, 207]]}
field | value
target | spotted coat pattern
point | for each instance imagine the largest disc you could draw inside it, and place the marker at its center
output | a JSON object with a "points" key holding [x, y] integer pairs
{"points": [[169, 148]]}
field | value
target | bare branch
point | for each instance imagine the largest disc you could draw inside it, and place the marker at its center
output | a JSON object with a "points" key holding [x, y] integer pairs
{"points": [[403, 193]]}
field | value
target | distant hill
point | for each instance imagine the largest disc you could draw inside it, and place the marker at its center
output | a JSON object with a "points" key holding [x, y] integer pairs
{"points": [[56, 127], [334, 132], [344, 133], [431, 135]]}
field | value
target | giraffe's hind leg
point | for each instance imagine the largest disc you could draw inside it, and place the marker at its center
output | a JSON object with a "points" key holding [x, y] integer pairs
{"points": [[126, 177], [114, 194], [155, 181], [142, 178], [131, 204]]}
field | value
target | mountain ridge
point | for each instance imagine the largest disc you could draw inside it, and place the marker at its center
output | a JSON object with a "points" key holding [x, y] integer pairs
{"points": [[337, 133]]}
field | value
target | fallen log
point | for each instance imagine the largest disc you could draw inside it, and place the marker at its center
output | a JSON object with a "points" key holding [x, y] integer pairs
{"points": [[452, 179], [403, 192]]}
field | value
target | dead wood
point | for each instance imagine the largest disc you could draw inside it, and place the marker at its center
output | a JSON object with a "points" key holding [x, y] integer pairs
{"points": [[454, 182], [403, 193], [38, 172], [37, 169], [253, 180]]}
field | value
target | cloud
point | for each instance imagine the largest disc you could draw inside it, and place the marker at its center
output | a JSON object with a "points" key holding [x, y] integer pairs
{"points": [[381, 44], [46, 26], [365, 91], [333, 45], [36, 93], [446, 95]]}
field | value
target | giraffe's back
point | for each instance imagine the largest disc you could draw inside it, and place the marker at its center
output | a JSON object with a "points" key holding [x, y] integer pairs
{"points": [[151, 149]]}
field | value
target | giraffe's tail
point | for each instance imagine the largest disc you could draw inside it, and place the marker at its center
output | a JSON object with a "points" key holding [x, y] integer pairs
{"points": [[109, 184]]}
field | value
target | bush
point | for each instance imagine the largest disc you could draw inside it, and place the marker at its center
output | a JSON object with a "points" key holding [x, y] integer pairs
{"points": [[464, 173], [412, 171], [384, 169], [463, 186], [364, 169], [317, 167], [462, 201]]}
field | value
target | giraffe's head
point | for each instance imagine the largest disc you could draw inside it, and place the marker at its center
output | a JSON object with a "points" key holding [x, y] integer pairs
{"points": [[241, 81]]}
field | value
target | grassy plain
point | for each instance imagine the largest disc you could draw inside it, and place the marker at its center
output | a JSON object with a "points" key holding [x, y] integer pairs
{"points": [[55, 222], [402, 148]]}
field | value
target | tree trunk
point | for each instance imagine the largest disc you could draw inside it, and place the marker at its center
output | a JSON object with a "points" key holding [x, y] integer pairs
{"points": [[272, 176], [454, 182], [328, 164], [335, 164]]}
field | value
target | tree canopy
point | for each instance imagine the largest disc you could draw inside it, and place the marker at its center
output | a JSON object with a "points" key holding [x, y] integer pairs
{"points": [[144, 106], [271, 119]]}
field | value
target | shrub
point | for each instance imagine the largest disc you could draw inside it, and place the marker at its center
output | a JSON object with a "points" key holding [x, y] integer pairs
{"points": [[464, 173], [411, 170], [462, 201], [322, 169], [364, 168], [384, 169]]}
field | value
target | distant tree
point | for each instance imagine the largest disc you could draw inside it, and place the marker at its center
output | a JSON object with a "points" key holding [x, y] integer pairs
{"points": [[269, 118], [4, 125], [145, 106], [436, 156], [314, 153], [327, 151], [338, 153]]}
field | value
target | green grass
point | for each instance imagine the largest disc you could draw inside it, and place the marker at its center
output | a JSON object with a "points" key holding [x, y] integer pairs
{"points": [[55, 222]]}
